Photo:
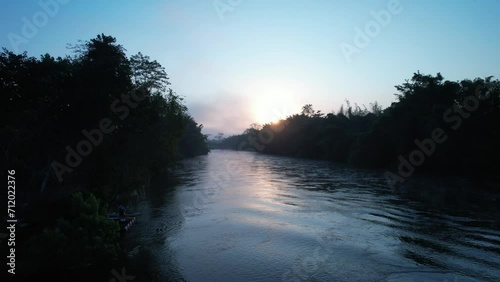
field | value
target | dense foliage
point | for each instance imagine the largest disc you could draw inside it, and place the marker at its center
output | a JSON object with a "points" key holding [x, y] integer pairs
{"points": [[81, 236], [97, 122], [463, 116]]}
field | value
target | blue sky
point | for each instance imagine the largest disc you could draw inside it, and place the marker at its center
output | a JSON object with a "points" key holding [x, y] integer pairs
{"points": [[242, 61]]}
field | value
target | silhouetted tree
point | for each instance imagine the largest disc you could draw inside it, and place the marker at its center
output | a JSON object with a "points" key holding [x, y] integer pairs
{"points": [[469, 112], [307, 110], [49, 105]]}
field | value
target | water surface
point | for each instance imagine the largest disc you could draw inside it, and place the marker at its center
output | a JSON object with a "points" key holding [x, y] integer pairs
{"points": [[241, 216]]}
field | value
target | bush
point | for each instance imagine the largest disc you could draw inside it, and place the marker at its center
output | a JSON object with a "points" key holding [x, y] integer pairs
{"points": [[83, 237]]}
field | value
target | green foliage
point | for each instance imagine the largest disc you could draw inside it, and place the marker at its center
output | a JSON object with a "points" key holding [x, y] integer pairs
{"points": [[46, 104], [375, 138], [83, 236], [193, 142], [147, 73]]}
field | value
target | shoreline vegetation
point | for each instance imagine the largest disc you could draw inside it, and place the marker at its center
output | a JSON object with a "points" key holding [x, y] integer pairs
{"points": [[85, 134], [436, 126]]}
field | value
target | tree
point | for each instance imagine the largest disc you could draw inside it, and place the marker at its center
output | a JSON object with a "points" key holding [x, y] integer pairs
{"points": [[83, 235], [147, 73], [307, 110], [52, 107], [219, 136], [375, 108], [193, 142], [468, 112]]}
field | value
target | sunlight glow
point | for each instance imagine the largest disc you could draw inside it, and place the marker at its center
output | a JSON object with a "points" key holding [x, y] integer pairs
{"points": [[274, 100]]}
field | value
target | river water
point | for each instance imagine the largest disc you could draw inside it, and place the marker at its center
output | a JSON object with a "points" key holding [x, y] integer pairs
{"points": [[242, 216]]}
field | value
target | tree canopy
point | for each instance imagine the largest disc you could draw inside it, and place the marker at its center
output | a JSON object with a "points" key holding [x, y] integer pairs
{"points": [[467, 112], [97, 123]]}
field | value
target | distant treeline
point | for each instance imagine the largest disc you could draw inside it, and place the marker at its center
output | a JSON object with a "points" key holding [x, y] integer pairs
{"points": [[436, 126], [98, 122]]}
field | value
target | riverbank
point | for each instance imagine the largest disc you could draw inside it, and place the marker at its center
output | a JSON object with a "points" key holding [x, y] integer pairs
{"points": [[242, 216]]}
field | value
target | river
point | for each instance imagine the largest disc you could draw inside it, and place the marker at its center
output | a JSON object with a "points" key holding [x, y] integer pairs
{"points": [[242, 216]]}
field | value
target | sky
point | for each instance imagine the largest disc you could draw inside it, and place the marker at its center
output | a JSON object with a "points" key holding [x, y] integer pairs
{"points": [[238, 62]]}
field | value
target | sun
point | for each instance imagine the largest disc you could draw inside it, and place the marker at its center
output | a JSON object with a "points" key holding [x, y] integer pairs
{"points": [[263, 113], [269, 111], [273, 102]]}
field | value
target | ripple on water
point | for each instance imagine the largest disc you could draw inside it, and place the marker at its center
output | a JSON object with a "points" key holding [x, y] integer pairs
{"points": [[272, 218]]}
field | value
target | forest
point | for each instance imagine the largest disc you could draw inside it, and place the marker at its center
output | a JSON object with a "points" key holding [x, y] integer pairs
{"points": [[83, 133], [435, 126], [86, 131]]}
